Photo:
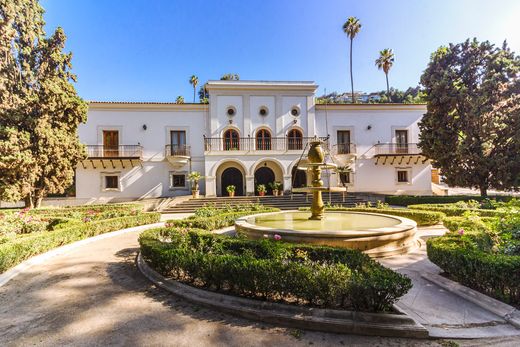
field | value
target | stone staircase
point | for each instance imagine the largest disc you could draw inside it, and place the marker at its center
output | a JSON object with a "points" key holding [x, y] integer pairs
{"points": [[285, 202]]}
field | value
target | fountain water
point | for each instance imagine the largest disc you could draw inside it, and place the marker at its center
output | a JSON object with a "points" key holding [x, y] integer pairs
{"points": [[376, 234]]}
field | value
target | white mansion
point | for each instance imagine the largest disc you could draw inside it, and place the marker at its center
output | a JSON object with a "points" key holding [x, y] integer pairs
{"points": [[251, 132]]}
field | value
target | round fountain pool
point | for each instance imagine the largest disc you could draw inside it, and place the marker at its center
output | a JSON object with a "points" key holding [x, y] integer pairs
{"points": [[376, 234]]}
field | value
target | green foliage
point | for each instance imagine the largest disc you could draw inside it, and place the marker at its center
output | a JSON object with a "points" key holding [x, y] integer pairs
{"points": [[422, 218], [474, 254], [19, 249], [457, 209], [471, 129], [210, 210], [230, 188], [405, 200], [194, 177], [273, 271], [39, 108]]}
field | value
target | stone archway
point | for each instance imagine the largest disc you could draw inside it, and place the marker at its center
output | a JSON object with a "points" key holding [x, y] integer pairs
{"points": [[264, 175], [232, 176]]}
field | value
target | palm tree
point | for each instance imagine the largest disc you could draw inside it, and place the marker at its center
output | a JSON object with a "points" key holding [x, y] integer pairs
{"points": [[385, 62], [194, 80], [179, 100], [351, 27]]}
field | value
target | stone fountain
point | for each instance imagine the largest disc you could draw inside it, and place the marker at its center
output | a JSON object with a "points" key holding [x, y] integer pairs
{"points": [[378, 235]]}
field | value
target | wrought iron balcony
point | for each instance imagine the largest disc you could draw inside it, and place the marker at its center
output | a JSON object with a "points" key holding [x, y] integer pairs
{"points": [[114, 152], [257, 144], [396, 149], [343, 148], [177, 151]]}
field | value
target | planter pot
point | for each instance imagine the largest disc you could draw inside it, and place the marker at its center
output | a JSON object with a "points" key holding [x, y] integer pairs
{"points": [[195, 194], [231, 194], [261, 193], [275, 192], [280, 192]]}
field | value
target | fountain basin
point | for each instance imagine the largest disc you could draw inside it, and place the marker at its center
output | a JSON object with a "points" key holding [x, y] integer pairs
{"points": [[378, 235]]}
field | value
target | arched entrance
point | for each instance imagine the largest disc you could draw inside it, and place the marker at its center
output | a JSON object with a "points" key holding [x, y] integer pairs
{"points": [[264, 175], [299, 178], [232, 176]]}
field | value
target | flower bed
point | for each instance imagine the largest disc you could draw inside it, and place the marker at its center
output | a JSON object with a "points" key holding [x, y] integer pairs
{"points": [[405, 200], [272, 270], [457, 210], [481, 253], [26, 233]]}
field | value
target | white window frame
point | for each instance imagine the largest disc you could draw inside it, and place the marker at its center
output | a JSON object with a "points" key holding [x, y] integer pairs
{"points": [[178, 173], [409, 174], [103, 182]]}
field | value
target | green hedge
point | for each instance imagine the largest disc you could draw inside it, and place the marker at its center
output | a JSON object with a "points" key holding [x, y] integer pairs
{"points": [[422, 218], [405, 200], [274, 271], [451, 210], [20, 249], [59, 211], [215, 222], [469, 259]]}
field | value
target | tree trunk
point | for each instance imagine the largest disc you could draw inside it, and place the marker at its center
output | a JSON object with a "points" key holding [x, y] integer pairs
{"points": [[194, 93], [483, 190], [387, 87], [28, 201], [351, 76]]}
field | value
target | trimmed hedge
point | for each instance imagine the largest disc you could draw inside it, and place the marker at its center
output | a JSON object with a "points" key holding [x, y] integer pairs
{"points": [[20, 249], [422, 218], [274, 271], [215, 222], [405, 200], [469, 259], [451, 210]]}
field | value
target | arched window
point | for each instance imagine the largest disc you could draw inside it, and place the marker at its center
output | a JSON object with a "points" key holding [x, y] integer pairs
{"points": [[294, 140], [231, 140], [263, 140]]}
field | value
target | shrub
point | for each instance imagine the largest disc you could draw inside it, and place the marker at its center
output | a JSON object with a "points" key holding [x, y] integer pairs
{"points": [[456, 210], [405, 200], [273, 271], [422, 218], [17, 250], [471, 254]]}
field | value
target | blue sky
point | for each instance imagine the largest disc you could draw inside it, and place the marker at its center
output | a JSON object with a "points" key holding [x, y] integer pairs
{"points": [[146, 50]]}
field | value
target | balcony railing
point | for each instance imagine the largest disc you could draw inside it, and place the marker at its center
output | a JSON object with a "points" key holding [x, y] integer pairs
{"points": [[397, 149], [177, 151], [114, 152], [256, 144], [343, 148]]}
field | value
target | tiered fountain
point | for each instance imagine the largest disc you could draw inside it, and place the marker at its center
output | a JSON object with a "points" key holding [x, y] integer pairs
{"points": [[376, 234]]}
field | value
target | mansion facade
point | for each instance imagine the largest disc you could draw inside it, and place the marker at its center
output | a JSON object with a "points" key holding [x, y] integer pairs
{"points": [[250, 133]]}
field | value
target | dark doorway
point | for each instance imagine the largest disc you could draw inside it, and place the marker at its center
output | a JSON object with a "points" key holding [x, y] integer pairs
{"points": [[299, 178], [264, 175], [232, 176]]}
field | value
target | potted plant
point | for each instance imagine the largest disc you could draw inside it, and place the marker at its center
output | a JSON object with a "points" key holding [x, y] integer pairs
{"points": [[274, 187], [194, 177], [279, 188], [261, 189], [231, 190]]}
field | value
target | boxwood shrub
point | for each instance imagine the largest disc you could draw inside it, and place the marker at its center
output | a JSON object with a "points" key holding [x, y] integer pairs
{"points": [[273, 270], [422, 218], [405, 200], [452, 210], [467, 254], [19, 249]]}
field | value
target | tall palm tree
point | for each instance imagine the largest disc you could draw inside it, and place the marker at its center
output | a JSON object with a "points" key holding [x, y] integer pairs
{"points": [[385, 62], [351, 27], [194, 80]]}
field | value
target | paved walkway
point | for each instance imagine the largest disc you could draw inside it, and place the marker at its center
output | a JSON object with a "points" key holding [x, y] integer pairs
{"points": [[94, 295]]}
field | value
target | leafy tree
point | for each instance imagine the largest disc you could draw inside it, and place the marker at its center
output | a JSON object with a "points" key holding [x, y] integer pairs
{"points": [[352, 27], [194, 80], [40, 109], [471, 128], [203, 95], [230, 77], [385, 63], [179, 100]]}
